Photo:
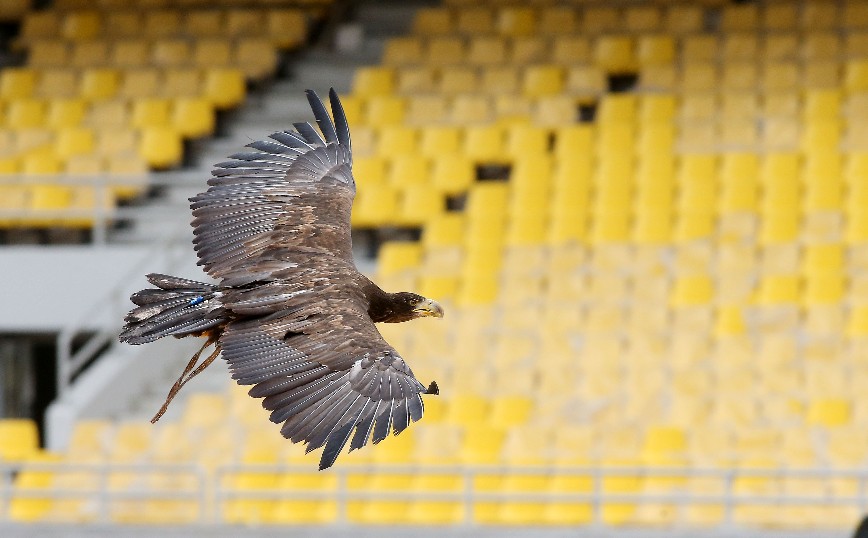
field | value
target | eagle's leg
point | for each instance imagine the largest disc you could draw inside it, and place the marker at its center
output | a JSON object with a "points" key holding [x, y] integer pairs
{"points": [[187, 375]]}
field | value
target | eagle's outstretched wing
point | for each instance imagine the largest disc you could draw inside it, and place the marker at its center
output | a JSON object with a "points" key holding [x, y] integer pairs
{"points": [[320, 364], [295, 190]]}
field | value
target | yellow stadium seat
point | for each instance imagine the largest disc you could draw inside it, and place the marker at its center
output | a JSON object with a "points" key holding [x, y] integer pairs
{"points": [[699, 77], [287, 27], [244, 22], [655, 50], [65, 113], [48, 53], [181, 83], [369, 171], [692, 291], [303, 512], [510, 412], [831, 412], [642, 18], [47, 202], [211, 53], [780, 47], [700, 48], [385, 110], [403, 51], [369, 208], [778, 289], [780, 76], [372, 81], [740, 17], [203, 23], [440, 141], [854, 15], [225, 88], [617, 108], [255, 57], [445, 230], [528, 50], [484, 143], [516, 21], [121, 23], [486, 50], [452, 174], [412, 80], [90, 53], [567, 50], [475, 20], [396, 256], [170, 52], [25, 113], [601, 19], [17, 83], [131, 53], [39, 25], [150, 112], [740, 47], [445, 51], [160, 23], [58, 82], [419, 202], [557, 20], [19, 438], [615, 54], [856, 75], [81, 25], [140, 83], [397, 140], [98, 84], [542, 80], [192, 117], [433, 20], [30, 509], [72, 141], [497, 80], [160, 146]]}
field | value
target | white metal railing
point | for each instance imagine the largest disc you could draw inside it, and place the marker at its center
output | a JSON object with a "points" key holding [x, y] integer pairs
{"points": [[100, 494], [167, 254], [212, 491]]}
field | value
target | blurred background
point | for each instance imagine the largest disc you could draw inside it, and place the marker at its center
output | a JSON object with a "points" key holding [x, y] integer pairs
{"points": [[647, 221]]}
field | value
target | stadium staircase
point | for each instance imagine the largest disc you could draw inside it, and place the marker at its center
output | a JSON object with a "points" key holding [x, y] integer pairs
{"points": [[646, 221]]}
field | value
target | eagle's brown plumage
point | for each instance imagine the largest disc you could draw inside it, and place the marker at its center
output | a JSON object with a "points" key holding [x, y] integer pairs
{"points": [[291, 314]]}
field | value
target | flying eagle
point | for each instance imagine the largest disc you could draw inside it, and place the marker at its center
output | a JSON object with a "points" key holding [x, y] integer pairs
{"points": [[291, 313]]}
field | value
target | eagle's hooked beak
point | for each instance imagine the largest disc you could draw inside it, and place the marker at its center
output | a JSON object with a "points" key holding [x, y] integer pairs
{"points": [[429, 308]]}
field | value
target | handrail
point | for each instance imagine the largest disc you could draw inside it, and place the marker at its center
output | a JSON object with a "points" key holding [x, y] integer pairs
{"points": [[213, 490], [114, 301]]}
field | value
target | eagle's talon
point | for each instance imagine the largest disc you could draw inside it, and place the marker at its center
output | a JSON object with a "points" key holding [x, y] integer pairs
{"points": [[433, 389]]}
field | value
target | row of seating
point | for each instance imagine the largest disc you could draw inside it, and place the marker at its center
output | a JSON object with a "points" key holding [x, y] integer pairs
{"points": [[625, 51], [193, 117], [255, 57], [284, 28], [48, 205], [676, 19], [81, 150], [650, 110], [111, 5], [541, 80], [224, 88]]}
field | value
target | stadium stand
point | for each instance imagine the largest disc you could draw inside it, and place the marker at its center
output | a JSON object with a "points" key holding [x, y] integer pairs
{"points": [[111, 90], [647, 221]]}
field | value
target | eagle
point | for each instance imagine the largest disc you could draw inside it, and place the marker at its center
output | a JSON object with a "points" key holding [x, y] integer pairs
{"points": [[291, 314]]}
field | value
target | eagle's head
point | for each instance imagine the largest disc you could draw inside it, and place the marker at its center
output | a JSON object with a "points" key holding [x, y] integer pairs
{"points": [[404, 306]]}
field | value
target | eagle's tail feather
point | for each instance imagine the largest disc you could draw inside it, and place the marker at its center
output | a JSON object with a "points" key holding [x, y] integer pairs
{"points": [[176, 306]]}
